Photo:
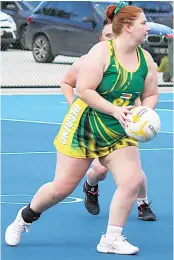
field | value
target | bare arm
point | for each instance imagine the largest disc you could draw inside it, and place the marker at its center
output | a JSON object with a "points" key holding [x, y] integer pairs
{"points": [[150, 93], [137, 102], [69, 81]]}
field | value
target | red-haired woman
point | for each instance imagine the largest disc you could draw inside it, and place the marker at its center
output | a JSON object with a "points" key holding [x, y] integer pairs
{"points": [[112, 76]]}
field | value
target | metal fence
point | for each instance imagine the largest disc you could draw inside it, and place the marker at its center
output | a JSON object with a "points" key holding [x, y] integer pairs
{"points": [[20, 67]]}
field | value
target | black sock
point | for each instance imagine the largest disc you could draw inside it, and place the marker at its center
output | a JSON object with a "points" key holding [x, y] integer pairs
{"points": [[29, 215]]}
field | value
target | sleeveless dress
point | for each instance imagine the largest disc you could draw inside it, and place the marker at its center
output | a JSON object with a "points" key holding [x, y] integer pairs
{"points": [[88, 133]]}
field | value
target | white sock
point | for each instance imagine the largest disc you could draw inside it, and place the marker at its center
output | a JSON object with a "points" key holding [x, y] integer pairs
{"points": [[141, 201], [91, 183], [113, 231]]}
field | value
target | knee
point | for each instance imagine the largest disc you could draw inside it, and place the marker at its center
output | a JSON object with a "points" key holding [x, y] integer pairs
{"points": [[60, 192], [99, 172], [133, 184], [99, 169]]}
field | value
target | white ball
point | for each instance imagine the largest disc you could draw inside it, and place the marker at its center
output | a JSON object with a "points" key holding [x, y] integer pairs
{"points": [[144, 125]]}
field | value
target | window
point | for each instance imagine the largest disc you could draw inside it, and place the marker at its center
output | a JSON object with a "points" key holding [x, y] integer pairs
{"points": [[73, 10], [102, 6], [57, 9], [33, 4], [25, 6], [154, 7], [82, 10]]}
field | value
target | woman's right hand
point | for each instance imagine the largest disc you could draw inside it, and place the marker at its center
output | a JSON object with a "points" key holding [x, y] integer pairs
{"points": [[120, 114]]}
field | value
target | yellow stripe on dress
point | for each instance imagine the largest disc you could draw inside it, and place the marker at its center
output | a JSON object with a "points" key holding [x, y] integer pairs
{"points": [[96, 125], [64, 139], [108, 131]]}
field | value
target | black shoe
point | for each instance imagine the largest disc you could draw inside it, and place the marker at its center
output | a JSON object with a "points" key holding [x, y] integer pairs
{"points": [[145, 213], [91, 198]]}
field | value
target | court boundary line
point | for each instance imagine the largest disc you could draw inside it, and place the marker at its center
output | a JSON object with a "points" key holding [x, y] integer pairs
{"points": [[51, 123], [30, 121], [72, 199], [33, 91], [163, 101], [52, 90], [163, 109]]}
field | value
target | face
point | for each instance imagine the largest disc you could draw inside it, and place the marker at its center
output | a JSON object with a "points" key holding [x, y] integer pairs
{"points": [[107, 33], [140, 29]]}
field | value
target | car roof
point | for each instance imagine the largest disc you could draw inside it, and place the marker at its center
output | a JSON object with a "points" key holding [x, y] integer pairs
{"points": [[3, 15]]}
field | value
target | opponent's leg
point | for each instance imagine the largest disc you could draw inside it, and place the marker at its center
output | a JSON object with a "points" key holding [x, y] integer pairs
{"points": [[94, 174], [144, 210]]}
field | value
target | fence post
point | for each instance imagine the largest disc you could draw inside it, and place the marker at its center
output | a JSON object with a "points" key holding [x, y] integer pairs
{"points": [[167, 76]]}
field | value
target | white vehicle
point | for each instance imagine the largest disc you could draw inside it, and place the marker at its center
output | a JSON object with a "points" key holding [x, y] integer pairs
{"points": [[7, 30]]}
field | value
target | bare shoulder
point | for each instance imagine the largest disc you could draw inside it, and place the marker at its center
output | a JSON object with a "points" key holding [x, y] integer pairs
{"points": [[99, 49], [82, 57], [78, 61], [98, 54]]}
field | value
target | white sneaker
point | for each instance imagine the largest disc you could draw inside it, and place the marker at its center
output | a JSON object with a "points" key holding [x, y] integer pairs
{"points": [[117, 245], [14, 231]]}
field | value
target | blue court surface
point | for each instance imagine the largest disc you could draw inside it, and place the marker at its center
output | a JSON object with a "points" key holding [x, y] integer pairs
{"points": [[67, 231]]}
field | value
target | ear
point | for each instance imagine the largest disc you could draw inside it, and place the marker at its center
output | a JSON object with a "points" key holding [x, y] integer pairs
{"points": [[128, 28], [100, 38]]}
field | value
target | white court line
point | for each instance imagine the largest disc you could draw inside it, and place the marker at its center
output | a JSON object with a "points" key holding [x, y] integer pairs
{"points": [[47, 152], [167, 100], [164, 132], [50, 123], [157, 149], [30, 121], [163, 109], [72, 199]]}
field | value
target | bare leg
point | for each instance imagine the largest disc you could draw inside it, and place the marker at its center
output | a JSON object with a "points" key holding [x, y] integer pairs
{"points": [[96, 173], [125, 166], [69, 172], [144, 210], [143, 189]]}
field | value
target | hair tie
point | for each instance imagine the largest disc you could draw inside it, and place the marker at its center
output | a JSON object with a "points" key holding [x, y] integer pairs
{"points": [[119, 7]]}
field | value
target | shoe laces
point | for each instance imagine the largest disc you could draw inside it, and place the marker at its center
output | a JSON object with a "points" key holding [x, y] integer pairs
{"points": [[121, 238], [92, 196], [94, 193], [20, 226], [145, 206], [117, 240]]}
